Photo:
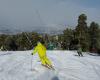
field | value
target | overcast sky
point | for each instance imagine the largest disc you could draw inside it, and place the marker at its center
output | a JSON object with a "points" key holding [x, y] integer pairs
{"points": [[33, 14]]}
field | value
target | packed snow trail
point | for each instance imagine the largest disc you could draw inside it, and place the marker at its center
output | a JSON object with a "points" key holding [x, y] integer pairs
{"points": [[16, 65]]}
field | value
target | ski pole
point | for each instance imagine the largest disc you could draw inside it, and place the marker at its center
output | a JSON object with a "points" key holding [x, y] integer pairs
{"points": [[32, 69], [31, 62]]}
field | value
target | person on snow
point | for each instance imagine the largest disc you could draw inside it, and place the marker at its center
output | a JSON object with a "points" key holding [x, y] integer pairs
{"points": [[41, 50], [79, 51], [50, 46]]}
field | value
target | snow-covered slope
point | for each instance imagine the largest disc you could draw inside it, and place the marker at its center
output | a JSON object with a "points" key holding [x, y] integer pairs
{"points": [[68, 66]]}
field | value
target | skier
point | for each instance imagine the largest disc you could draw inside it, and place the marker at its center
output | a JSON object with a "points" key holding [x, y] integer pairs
{"points": [[79, 51], [50, 46], [41, 49]]}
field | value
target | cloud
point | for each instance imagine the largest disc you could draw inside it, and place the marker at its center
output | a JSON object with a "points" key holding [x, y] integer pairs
{"points": [[48, 14]]}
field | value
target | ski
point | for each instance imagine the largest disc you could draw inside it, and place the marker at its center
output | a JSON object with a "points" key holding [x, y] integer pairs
{"points": [[48, 67]]}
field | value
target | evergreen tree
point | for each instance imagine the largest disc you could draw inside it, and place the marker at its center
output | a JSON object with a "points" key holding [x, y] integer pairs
{"points": [[23, 41], [68, 37], [2, 41], [10, 43], [81, 32], [94, 32]]}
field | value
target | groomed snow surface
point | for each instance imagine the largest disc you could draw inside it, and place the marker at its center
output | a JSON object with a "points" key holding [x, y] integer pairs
{"points": [[16, 65]]}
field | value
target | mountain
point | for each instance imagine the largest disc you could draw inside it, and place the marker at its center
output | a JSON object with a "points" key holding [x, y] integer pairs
{"points": [[53, 29], [6, 29]]}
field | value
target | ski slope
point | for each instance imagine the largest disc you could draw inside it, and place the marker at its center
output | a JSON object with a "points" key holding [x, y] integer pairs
{"points": [[16, 65]]}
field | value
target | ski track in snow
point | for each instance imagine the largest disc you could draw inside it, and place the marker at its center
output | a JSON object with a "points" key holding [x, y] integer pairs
{"points": [[16, 65]]}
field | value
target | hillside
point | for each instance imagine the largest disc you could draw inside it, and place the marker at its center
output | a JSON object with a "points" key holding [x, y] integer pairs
{"points": [[16, 65]]}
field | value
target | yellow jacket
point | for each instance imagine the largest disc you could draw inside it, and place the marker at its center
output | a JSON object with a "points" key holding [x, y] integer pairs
{"points": [[41, 49]]}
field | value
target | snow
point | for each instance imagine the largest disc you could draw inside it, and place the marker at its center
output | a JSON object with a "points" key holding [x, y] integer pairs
{"points": [[16, 65]]}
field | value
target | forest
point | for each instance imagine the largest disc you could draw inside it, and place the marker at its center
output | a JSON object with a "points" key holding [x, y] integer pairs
{"points": [[82, 34]]}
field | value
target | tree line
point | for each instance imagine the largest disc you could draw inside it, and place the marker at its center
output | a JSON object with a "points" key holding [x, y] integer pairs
{"points": [[21, 41], [86, 36]]}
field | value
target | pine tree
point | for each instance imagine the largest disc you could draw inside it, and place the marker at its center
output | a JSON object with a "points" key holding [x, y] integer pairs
{"points": [[94, 32], [81, 32], [68, 37], [10, 43]]}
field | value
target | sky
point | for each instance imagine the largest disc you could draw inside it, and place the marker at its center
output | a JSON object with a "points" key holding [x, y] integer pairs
{"points": [[46, 14]]}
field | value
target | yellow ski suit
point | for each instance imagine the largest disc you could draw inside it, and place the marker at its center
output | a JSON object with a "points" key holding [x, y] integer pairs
{"points": [[41, 49]]}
